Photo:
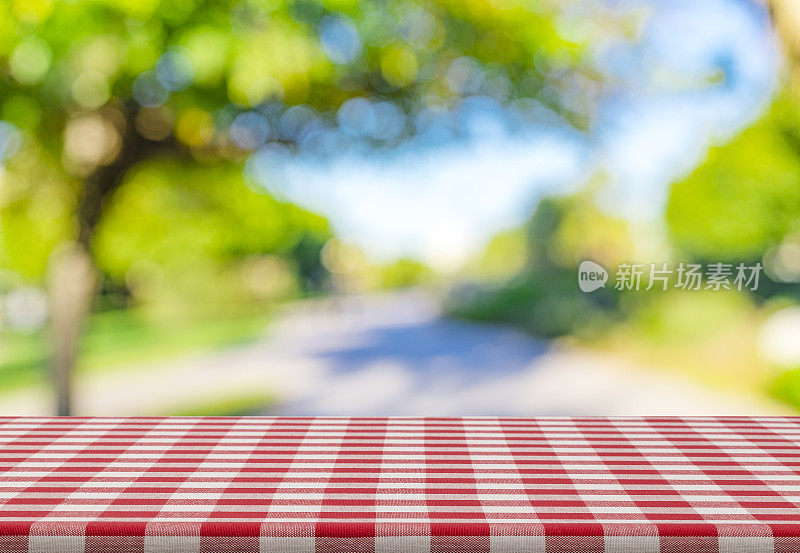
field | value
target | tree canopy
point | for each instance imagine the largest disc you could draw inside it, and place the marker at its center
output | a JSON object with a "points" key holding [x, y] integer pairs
{"points": [[745, 197], [91, 89]]}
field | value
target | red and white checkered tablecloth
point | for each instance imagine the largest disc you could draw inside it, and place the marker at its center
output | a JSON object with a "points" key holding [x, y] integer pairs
{"points": [[396, 485]]}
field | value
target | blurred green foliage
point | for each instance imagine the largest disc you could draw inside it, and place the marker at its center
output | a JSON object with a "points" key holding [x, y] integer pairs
{"points": [[504, 256], [145, 95], [69, 55], [741, 204], [543, 297], [241, 405], [745, 197], [173, 214], [403, 273], [676, 317], [37, 211], [786, 387], [200, 228]]}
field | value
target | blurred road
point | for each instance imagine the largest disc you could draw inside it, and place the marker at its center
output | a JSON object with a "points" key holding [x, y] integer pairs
{"points": [[395, 355]]}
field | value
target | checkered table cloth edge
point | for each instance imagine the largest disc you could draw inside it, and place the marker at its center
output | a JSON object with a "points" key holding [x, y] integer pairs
{"points": [[404, 485]]}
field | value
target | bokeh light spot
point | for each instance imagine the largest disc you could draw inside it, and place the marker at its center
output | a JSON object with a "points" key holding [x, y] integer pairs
{"points": [[30, 60], [174, 71], [154, 123], [148, 91], [91, 140], [10, 140], [250, 130], [194, 127], [90, 90], [399, 66], [464, 76], [339, 39]]}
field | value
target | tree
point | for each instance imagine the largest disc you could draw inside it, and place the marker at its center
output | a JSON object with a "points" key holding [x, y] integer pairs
{"points": [[745, 197], [95, 88], [742, 204], [785, 15], [543, 297]]}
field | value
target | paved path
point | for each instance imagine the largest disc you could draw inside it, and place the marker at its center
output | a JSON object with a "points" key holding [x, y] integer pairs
{"points": [[395, 355]]}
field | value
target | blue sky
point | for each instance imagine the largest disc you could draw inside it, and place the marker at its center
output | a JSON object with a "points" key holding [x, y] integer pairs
{"points": [[700, 71]]}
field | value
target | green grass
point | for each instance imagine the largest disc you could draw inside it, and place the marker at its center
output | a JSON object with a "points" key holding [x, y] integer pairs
{"points": [[234, 406], [786, 387], [23, 359], [114, 339]]}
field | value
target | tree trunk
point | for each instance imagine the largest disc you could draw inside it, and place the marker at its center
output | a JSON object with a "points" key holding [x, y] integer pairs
{"points": [[71, 283], [786, 15], [73, 278]]}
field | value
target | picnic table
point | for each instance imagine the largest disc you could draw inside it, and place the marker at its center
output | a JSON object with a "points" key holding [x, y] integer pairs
{"points": [[396, 485]]}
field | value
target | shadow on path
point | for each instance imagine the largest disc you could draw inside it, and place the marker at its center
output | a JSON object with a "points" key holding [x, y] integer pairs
{"points": [[402, 357], [431, 348]]}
